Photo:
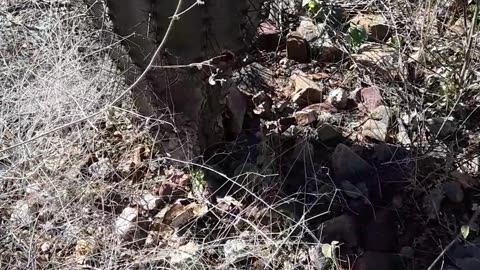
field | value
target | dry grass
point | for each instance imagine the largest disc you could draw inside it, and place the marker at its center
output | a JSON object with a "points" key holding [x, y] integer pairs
{"points": [[55, 71]]}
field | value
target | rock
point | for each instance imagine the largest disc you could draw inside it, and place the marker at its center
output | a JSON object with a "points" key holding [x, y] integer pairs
{"points": [[263, 104], [280, 106], [322, 107], [371, 260], [370, 98], [338, 98], [149, 202], [357, 191], [375, 25], [101, 169], [264, 110], [347, 165], [305, 117], [377, 127], [260, 97], [325, 51], [309, 30], [306, 91], [320, 43], [235, 248], [297, 48], [375, 130], [441, 127], [285, 122], [129, 226], [381, 113], [383, 60], [326, 132], [342, 228], [268, 36], [466, 256], [254, 78], [402, 135], [45, 246], [453, 190], [184, 255], [381, 234], [22, 213]]}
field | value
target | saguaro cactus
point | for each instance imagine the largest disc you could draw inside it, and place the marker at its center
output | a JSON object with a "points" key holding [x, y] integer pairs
{"points": [[202, 32]]}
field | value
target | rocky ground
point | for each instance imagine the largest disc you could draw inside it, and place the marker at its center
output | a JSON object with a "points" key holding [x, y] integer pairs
{"points": [[359, 150]]}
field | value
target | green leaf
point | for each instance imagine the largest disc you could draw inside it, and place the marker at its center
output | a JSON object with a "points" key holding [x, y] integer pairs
{"points": [[465, 230], [357, 36]]}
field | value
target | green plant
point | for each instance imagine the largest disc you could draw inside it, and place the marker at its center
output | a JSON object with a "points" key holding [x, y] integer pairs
{"points": [[356, 36], [312, 7], [199, 184]]}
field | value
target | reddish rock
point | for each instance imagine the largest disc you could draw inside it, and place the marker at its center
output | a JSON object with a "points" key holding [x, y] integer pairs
{"points": [[371, 98], [268, 37], [297, 48]]}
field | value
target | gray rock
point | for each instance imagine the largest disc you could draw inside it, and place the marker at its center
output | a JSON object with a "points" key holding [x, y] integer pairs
{"points": [[325, 51], [342, 228], [309, 30], [355, 191], [22, 213], [338, 98], [101, 169], [130, 226], [377, 130], [148, 201], [327, 132], [303, 150], [377, 127], [381, 59]]}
